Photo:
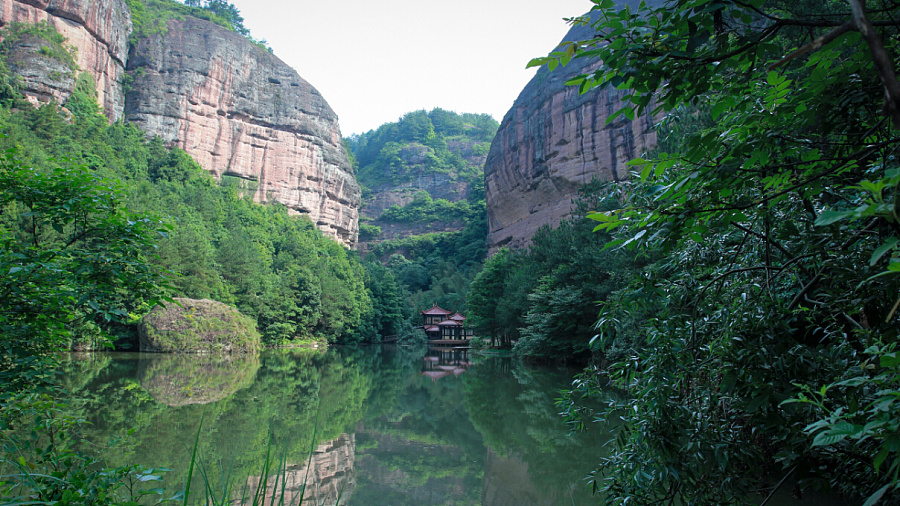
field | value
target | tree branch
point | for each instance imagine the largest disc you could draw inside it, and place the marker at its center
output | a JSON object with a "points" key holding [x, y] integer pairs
{"points": [[883, 64], [814, 45]]}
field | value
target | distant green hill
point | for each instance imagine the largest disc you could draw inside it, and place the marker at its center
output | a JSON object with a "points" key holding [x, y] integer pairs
{"points": [[423, 211], [436, 142], [422, 174]]}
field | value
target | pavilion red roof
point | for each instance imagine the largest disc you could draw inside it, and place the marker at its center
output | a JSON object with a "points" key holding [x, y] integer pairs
{"points": [[450, 323], [437, 311], [431, 328], [435, 375], [458, 317]]}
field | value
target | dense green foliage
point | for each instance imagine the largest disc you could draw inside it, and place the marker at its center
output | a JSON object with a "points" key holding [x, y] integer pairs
{"points": [[279, 270], [420, 144], [432, 267], [424, 209], [73, 258], [762, 344], [545, 298], [149, 17]]}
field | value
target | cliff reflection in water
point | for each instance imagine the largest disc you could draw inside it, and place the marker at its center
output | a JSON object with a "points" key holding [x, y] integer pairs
{"points": [[472, 431], [326, 478]]}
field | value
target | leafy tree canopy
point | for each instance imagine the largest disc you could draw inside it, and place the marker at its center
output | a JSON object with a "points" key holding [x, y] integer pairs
{"points": [[768, 342], [422, 142]]}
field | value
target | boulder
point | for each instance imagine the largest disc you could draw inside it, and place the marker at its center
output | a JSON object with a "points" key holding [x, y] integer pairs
{"points": [[197, 326]]}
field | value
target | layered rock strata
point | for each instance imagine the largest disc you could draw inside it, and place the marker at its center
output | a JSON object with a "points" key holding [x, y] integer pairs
{"points": [[242, 112], [97, 29], [551, 142], [328, 477]]}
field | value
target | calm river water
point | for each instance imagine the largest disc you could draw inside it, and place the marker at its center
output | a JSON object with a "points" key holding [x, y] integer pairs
{"points": [[386, 425]]}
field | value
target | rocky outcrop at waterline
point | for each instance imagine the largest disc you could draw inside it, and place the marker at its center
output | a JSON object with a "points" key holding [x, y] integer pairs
{"points": [[98, 32], [197, 326], [242, 112], [551, 142]]}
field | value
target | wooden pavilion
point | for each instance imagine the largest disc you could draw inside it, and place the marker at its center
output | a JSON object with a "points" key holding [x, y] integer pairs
{"points": [[442, 325]]}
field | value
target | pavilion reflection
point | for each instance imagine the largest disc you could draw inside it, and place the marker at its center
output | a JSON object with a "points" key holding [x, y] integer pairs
{"points": [[441, 362]]}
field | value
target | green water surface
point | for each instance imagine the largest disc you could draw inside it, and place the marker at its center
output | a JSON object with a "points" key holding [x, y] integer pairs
{"points": [[367, 426]]}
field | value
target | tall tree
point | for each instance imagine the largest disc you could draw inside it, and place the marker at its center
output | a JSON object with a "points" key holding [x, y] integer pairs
{"points": [[70, 254]]}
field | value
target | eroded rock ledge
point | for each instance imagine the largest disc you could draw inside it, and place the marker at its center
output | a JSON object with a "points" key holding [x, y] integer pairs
{"points": [[241, 111], [98, 29], [551, 142]]}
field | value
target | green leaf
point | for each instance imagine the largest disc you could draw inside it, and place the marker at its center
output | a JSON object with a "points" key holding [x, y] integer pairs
{"points": [[884, 248], [874, 498], [829, 217], [827, 438], [719, 108], [880, 457]]}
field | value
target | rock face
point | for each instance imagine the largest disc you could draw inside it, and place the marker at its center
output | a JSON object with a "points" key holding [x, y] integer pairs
{"points": [[551, 142], [97, 29], [439, 185], [242, 112], [197, 326], [327, 478]]}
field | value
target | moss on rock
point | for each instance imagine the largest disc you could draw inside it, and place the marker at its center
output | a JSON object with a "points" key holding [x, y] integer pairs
{"points": [[198, 326]]}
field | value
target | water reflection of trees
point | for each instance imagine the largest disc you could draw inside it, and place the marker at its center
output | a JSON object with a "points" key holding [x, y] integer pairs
{"points": [[298, 400], [418, 446], [414, 440], [513, 407]]}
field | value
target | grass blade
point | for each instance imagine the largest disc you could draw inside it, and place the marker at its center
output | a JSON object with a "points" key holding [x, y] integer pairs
{"points": [[187, 485]]}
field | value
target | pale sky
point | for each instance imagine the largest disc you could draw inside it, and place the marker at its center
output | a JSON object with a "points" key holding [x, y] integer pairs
{"points": [[375, 60]]}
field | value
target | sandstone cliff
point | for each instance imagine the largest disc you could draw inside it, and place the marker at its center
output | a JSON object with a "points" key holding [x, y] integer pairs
{"points": [[242, 112], [97, 29], [328, 477], [551, 142]]}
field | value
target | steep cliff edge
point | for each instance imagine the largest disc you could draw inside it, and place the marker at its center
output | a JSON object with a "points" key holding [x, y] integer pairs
{"points": [[97, 29], [551, 142], [242, 112]]}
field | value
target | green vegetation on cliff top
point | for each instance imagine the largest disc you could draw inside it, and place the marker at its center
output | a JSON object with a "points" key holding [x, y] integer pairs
{"points": [[422, 143]]}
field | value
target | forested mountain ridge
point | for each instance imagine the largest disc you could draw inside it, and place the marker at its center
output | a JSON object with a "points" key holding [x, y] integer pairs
{"points": [[189, 81], [422, 173], [423, 202]]}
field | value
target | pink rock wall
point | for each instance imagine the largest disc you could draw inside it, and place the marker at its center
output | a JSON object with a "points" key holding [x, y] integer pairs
{"points": [[328, 476], [551, 142], [98, 29], [242, 112]]}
